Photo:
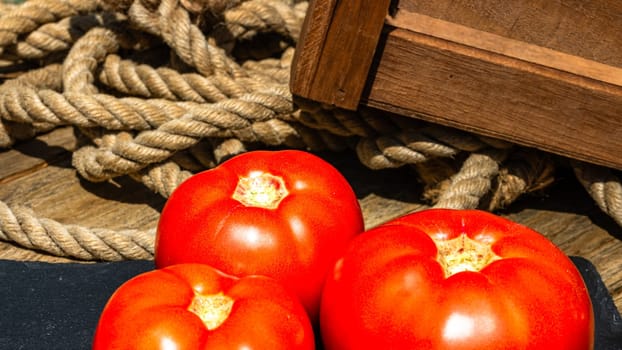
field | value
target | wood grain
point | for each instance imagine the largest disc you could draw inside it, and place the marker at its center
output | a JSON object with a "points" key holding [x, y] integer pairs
{"points": [[588, 29], [582, 71], [535, 72], [336, 49], [38, 174], [482, 91], [30, 156]]}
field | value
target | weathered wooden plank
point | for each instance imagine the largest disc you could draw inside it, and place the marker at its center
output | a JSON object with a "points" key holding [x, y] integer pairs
{"points": [[10, 251], [545, 74], [474, 89], [26, 157], [38, 174], [58, 193], [571, 220], [558, 61], [336, 49], [588, 29]]}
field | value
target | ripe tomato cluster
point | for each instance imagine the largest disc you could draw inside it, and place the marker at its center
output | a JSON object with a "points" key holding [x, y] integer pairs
{"points": [[268, 251], [284, 215]]}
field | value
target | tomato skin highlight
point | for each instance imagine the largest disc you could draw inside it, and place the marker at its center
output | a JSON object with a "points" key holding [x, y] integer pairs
{"points": [[389, 290], [295, 242], [151, 311]]}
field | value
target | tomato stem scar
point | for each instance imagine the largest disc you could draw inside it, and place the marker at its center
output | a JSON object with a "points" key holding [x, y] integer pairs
{"points": [[262, 190], [463, 253], [212, 309]]}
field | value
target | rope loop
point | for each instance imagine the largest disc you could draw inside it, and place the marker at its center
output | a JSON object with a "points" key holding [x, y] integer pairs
{"points": [[161, 89]]}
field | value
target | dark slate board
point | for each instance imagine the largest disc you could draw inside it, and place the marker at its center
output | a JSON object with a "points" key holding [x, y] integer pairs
{"points": [[57, 306]]}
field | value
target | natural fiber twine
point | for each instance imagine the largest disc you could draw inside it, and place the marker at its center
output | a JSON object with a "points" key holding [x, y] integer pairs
{"points": [[150, 82]]}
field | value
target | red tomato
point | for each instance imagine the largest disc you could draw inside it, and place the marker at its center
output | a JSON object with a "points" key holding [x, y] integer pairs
{"points": [[284, 214], [194, 306], [451, 279]]}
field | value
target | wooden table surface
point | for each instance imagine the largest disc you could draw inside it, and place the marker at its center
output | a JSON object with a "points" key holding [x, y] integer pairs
{"points": [[38, 174]]}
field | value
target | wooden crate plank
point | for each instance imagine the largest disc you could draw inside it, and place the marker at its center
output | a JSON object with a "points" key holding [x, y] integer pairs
{"points": [[336, 49], [558, 61], [589, 29], [483, 68], [426, 76], [58, 193]]}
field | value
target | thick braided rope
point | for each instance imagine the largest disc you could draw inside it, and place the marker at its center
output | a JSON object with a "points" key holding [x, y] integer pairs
{"points": [[259, 16], [604, 186], [271, 69], [473, 181], [34, 13], [6, 140], [214, 7], [252, 118], [27, 105], [77, 76], [523, 172], [60, 36], [163, 178], [81, 61], [172, 22], [147, 155], [83, 76], [83, 58], [20, 225], [47, 77], [410, 146], [6, 8], [142, 80]]}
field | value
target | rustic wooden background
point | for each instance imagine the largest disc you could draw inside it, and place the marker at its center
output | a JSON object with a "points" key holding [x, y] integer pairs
{"points": [[38, 174]]}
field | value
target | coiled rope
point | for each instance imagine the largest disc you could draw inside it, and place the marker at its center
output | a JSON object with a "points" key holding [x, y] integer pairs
{"points": [[150, 82]]}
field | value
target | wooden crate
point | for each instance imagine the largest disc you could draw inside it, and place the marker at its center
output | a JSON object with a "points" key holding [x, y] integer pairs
{"points": [[540, 73]]}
